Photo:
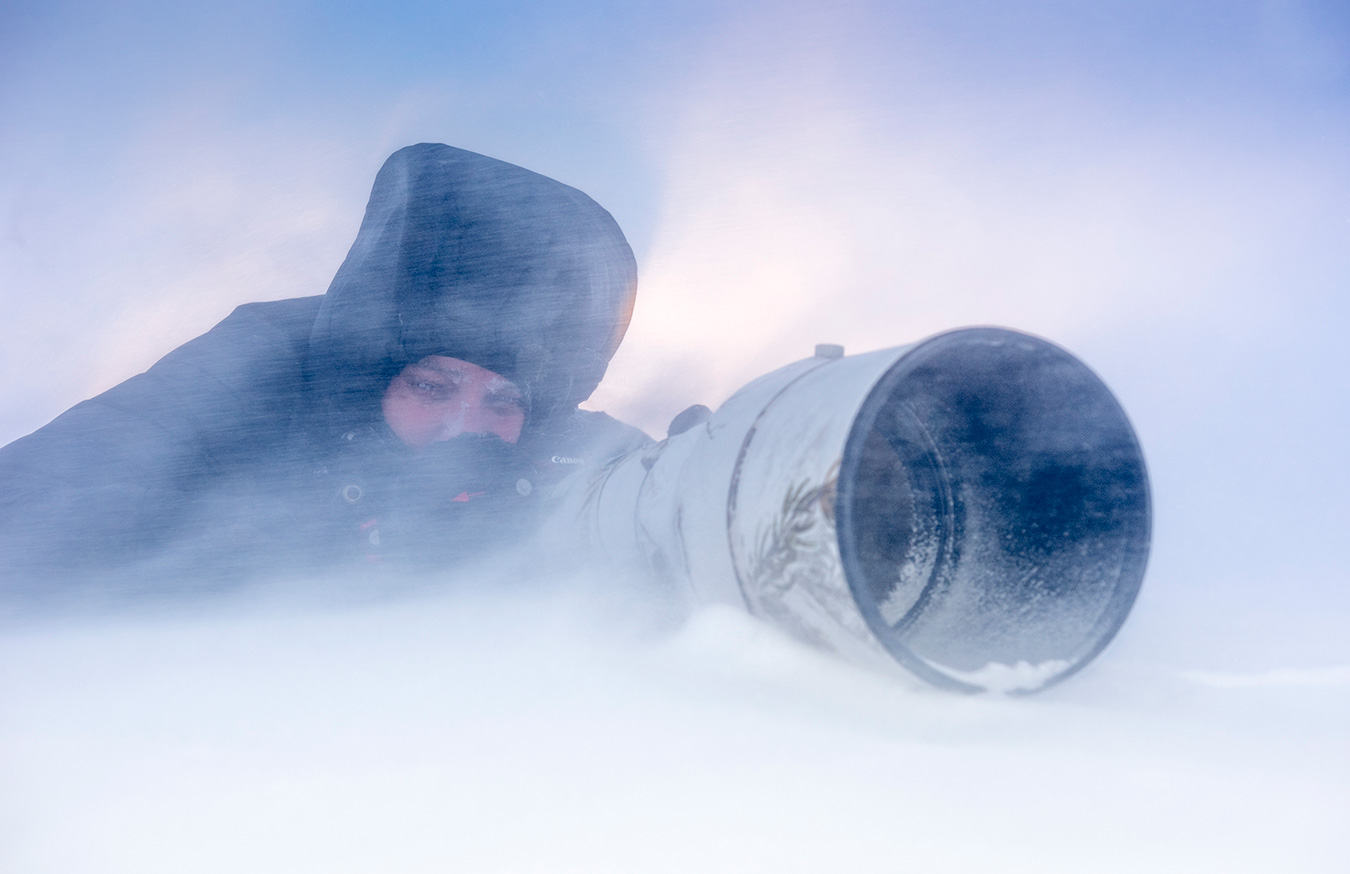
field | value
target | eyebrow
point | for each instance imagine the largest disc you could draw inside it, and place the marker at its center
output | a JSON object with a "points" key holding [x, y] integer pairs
{"points": [[502, 385], [439, 368], [497, 385]]}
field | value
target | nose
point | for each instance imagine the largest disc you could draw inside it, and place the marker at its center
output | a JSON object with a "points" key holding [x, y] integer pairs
{"points": [[474, 418]]}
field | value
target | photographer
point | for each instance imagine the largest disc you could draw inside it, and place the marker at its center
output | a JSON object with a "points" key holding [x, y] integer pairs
{"points": [[408, 416]]}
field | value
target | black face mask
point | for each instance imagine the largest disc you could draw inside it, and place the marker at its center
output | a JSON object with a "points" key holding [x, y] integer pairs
{"points": [[453, 501]]}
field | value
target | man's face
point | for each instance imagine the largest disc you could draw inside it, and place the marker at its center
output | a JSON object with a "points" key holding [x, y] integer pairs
{"points": [[439, 398]]}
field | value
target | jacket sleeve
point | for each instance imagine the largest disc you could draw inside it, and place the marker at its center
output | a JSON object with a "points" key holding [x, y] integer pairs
{"points": [[114, 478]]}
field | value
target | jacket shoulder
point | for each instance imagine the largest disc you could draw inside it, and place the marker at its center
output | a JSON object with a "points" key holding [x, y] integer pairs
{"points": [[118, 472]]}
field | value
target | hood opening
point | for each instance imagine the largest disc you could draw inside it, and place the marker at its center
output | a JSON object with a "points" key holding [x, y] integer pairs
{"points": [[467, 256]]}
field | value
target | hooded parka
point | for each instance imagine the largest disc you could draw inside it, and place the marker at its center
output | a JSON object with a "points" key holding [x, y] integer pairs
{"points": [[260, 445]]}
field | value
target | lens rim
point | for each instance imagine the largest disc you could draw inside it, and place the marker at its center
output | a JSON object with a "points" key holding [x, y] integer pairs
{"points": [[891, 635]]}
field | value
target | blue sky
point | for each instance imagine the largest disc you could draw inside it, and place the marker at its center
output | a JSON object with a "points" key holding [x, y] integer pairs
{"points": [[1161, 187]]}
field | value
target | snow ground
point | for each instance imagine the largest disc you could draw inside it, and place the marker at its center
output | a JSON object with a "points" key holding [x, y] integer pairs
{"points": [[564, 729]]}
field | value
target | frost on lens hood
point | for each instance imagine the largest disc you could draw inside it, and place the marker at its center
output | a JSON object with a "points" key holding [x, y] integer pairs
{"points": [[973, 508]]}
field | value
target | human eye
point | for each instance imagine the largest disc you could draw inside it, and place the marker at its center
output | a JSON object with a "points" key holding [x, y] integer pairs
{"points": [[430, 388], [506, 404]]}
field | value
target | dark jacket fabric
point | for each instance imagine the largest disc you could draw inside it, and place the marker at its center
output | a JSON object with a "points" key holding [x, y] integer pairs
{"points": [[467, 256], [260, 445]]}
